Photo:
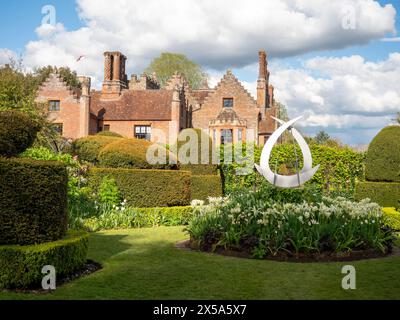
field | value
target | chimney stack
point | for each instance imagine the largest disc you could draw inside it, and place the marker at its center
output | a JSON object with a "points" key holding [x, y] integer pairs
{"points": [[115, 79], [263, 81]]}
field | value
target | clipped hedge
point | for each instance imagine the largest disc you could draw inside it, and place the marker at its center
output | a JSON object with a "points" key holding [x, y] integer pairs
{"points": [[131, 154], [88, 148], [384, 193], [109, 134], [204, 187], [33, 201], [21, 266], [391, 218], [17, 132], [139, 218], [147, 188], [383, 157], [200, 169]]}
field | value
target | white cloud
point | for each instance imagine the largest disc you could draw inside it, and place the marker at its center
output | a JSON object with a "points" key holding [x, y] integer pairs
{"points": [[217, 34], [341, 93], [6, 55]]}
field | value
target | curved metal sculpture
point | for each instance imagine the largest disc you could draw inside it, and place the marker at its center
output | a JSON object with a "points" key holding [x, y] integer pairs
{"points": [[292, 181]]}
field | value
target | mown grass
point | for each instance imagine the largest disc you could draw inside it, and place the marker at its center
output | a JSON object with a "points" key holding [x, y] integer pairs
{"points": [[145, 264]]}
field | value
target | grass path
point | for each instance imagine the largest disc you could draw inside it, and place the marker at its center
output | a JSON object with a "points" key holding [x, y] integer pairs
{"points": [[144, 264]]}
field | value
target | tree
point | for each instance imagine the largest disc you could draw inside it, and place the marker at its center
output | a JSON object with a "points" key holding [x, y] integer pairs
{"points": [[169, 63], [398, 117], [322, 137], [69, 76]]}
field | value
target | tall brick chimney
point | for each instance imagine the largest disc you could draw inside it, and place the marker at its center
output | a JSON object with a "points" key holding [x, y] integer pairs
{"points": [[115, 78], [263, 81]]}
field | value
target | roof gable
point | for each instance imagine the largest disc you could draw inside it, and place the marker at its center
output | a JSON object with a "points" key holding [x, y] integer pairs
{"points": [[55, 84]]}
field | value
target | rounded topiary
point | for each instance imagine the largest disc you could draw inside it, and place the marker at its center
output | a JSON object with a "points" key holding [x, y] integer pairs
{"points": [[88, 148], [109, 134], [33, 201], [130, 153], [383, 157], [17, 132], [202, 164]]}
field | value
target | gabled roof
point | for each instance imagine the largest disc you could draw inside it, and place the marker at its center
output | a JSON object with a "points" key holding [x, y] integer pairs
{"points": [[134, 105], [56, 84]]}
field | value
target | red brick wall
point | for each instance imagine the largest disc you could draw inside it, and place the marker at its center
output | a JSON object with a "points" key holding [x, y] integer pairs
{"points": [[243, 104], [69, 114]]}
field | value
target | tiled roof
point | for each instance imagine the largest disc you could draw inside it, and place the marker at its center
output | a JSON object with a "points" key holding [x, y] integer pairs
{"points": [[134, 105]]}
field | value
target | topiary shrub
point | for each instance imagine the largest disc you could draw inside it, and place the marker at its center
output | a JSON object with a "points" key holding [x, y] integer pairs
{"points": [[147, 188], [88, 148], [21, 266], [383, 193], [33, 201], [391, 218], [109, 134], [17, 132], [131, 153], [383, 157], [202, 143], [203, 187]]}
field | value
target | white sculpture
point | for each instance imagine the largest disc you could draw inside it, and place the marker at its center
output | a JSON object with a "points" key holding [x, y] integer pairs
{"points": [[292, 181]]}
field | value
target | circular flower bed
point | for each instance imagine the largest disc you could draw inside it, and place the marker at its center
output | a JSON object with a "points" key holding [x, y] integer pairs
{"points": [[253, 223]]}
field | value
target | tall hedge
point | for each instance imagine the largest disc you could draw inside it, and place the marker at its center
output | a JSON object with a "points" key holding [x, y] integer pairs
{"points": [[383, 157], [340, 168], [147, 188], [21, 266], [132, 154], [387, 194], [205, 186], [88, 148], [33, 201], [17, 132]]}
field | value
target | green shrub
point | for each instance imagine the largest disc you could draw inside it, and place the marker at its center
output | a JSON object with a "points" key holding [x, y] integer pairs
{"points": [[21, 266], [17, 132], [130, 153], [88, 148], [200, 169], [42, 153], [108, 192], [384, 193], [339, 168], [109, 134], [383, 157], [125, 218], [391, 218], [203, 187], [147, 188], [33, 201]]}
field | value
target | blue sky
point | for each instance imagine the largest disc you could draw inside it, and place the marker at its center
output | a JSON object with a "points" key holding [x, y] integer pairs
{"points": [[142, 39]]}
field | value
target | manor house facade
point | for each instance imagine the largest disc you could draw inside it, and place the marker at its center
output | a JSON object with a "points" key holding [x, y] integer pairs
{"points": [[140, 106]]}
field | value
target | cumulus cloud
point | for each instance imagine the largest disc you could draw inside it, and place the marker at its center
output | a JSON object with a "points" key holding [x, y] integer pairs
{"points": [[216, 34], [6, 55], [341, 93]]}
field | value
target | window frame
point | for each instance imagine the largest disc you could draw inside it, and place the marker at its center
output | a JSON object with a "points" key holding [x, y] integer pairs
{"points": [[142, 132], [231, 104], [51, 105]]}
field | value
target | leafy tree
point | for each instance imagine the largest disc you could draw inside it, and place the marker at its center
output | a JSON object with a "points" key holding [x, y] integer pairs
{"points": [[69, 76], [398, 118], [322, 137], [282, 111], [17, 90], [169, 63]]}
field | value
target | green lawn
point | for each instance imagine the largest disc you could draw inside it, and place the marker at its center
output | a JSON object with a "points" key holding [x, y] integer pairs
{"points": [[144, 264]]}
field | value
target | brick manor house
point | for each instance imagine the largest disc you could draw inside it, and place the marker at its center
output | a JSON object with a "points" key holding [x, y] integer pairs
{"points": [[136, 107]]}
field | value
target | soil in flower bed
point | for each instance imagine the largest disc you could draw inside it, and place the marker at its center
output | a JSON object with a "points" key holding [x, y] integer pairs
{"points": [[89, 268], [301, 257]]}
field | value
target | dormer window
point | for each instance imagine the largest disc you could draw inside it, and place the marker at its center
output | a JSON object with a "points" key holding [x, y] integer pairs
{"points": [[228, 102], [54, 105]]}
